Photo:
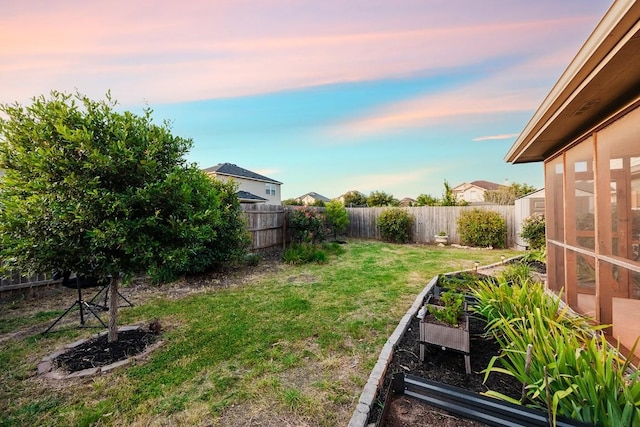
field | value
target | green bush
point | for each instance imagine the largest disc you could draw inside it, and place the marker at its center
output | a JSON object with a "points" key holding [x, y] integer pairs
{"points": [[333, 248], [337, 217], [395, 225], [303, 253], [519, 271], [482, 228], [307, 225], [252, 259], [585, 378], [533, 231], [206, 245]]}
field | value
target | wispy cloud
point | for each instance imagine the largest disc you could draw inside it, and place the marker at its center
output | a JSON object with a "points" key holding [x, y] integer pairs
{"points": [[167, 54], [496, 137], [395, 183]]}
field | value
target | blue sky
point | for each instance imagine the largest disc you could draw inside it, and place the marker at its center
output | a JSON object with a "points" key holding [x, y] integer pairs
{"points": [[395, 96]]}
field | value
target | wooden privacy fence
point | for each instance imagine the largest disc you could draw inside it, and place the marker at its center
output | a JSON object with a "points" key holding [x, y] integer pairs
{"points": [[267, 225], [429, 221]]}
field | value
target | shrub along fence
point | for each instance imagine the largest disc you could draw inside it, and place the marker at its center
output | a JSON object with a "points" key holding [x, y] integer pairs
{"points": [[268, 227], [429, 221]]}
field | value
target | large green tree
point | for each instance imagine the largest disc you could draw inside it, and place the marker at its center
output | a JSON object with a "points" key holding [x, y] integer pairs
{"points": [[98, 192], [380, 198]]}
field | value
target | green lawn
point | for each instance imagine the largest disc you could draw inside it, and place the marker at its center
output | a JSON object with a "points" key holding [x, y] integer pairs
{"points": [[292, 346]]}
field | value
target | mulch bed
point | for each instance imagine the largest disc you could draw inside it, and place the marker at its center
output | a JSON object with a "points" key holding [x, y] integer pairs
{"points": [[99, 352]]}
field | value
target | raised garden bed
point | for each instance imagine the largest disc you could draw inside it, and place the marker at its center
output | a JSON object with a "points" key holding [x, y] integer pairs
{"points": [[444, 335], [441, 365]]}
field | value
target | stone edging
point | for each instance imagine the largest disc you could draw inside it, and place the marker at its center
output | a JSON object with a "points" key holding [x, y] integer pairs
{"points": [[46, 368], [361, 414]]}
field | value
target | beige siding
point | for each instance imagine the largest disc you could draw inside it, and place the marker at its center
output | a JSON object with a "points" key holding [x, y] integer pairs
{"points": [[255, 187]]}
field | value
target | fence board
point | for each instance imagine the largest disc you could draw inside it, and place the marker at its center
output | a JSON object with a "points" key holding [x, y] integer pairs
{"points": [[429, 221], [266, 225]]}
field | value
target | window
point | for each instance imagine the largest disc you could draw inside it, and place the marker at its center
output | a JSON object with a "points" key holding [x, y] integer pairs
{"points": [[270, 189]]}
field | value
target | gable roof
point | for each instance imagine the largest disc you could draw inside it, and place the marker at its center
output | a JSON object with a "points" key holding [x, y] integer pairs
{"points": [[232, 170], [315, 196], [485, 185], [245, 195]]}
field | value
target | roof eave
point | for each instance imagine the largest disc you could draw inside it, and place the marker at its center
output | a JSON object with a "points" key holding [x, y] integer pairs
{"points": [[618, 26]]}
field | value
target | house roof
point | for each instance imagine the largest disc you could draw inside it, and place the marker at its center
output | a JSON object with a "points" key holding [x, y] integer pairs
{"points": [[246, 196], [315, 196], [230, 169], [352, 191], [485, 185], [602, 80]]}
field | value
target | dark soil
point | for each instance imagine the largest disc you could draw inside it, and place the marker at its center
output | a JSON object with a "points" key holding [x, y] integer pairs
{"points": [[99, 352], [446, 367]]}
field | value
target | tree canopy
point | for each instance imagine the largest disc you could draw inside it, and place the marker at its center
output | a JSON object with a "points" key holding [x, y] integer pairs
{"points": [[380, 198], [507, 195], [337, 217], [448, 198], [355, 198], [98, 192]]}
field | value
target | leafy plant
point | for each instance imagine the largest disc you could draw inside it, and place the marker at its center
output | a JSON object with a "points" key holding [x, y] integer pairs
{"points": [[354, 199], [333, 248], [571, 361], [507, 194], [303, 253], [427, 200], [99, 192], [307, 225], [482, 228], [449, 198], [451, 309], [395, 225], [380, 198], [533, 231], [462, 282], [252, 259], [534, 256], [518, 271], [337, 217], [224, 242]]}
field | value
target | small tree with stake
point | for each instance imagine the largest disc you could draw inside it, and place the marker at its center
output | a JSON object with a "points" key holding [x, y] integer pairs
{"points": [[97, 192]]}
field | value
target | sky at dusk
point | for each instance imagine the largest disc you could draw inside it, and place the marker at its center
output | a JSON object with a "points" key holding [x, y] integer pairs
{"points": [[325, 96]]}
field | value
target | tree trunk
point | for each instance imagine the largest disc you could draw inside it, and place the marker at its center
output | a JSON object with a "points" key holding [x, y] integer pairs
{"points": [[113, 308]]}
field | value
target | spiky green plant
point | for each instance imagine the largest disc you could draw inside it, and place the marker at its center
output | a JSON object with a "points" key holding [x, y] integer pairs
{"points": [[587, 379]]}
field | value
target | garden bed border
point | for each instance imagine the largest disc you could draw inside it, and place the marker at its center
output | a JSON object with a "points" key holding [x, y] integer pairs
{"points": [[360, 416]]}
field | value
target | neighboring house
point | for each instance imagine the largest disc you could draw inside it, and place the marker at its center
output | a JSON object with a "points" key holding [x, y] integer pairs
{"points": [[473, 192], [311, 198], [407, 201], [587, 133], [252, 187]]}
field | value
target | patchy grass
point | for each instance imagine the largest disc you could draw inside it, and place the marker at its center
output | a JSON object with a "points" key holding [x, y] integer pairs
{"points": [[274, 350]]}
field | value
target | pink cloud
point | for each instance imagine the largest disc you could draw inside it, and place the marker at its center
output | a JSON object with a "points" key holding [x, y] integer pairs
{"points": [[168, 52]]}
